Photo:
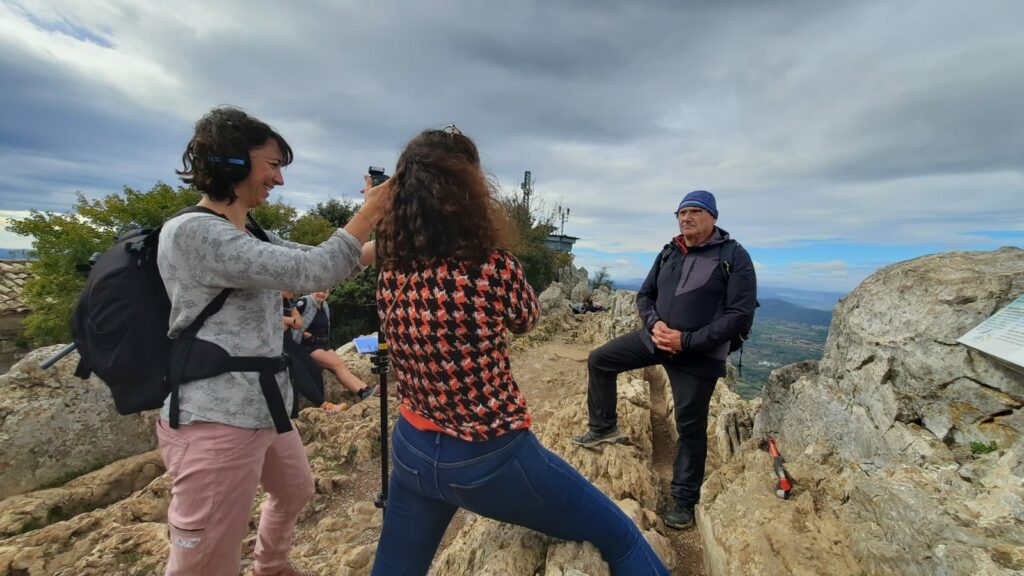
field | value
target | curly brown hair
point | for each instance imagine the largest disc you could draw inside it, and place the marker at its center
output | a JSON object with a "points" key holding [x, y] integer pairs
{"points": [[443, 207], [217, 156]]}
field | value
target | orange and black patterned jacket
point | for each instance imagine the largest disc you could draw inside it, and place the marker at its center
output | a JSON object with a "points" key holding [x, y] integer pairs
{"points": [[449, 346]]}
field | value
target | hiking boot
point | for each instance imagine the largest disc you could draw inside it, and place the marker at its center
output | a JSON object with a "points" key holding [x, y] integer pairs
{"points": [[367, 392], [679, 517], [288, 570], [593, 439]]}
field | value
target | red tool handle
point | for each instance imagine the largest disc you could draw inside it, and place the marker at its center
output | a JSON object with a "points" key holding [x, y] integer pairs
{"points": [[783, 488]]}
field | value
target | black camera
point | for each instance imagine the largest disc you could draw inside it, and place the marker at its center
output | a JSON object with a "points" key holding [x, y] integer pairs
{"points": [[377, 175]]}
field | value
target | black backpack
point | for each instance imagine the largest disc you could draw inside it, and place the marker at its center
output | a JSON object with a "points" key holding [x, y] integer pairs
{"points": [[726, 252], [120, 324]]}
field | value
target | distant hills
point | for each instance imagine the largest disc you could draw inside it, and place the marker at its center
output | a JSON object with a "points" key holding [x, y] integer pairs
{"points": [[13, 254], [783, 333], [778, 310], [633, 284], [816, 299]]}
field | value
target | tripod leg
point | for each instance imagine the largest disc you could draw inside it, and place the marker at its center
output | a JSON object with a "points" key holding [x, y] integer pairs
{"points": [[382, 498]]}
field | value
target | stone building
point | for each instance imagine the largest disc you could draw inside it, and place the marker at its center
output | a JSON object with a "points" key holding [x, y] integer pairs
{"points": [[13, 311]]}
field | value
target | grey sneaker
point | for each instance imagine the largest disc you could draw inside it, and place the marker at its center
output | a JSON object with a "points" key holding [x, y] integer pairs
{"points": [[593, 439], [679, 517]]}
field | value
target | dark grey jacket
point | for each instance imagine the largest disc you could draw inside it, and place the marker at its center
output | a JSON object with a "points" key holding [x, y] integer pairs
{"points": [[691, 293]]}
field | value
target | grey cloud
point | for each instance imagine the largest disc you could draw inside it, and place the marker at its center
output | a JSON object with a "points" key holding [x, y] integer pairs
{"points": [[810, 120]]}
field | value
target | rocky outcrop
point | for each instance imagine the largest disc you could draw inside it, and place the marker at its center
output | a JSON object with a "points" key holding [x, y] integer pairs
{"points": [[55, 426], [129, 537], [572, 286], [112, 483], [877, 437], [570, 276]]}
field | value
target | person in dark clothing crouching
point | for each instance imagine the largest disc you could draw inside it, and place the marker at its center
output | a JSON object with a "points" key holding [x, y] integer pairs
{"points": [[692, 305]]}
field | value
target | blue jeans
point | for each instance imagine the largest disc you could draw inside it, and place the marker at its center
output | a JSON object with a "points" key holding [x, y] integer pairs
{"points": [[511, 478]]}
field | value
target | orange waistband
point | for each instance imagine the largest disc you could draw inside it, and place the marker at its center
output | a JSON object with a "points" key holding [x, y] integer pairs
{"points": [[418, 422]]}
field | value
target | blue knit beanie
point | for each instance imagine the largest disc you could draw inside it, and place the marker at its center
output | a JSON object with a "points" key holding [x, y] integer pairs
{"points": [[700, 199]]}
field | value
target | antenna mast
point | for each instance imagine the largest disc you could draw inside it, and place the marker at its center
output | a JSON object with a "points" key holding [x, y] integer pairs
{"points": [[527, 187]]}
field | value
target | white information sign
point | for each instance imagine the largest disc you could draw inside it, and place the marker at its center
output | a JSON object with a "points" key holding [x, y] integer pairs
{"points": [[1001, 335]]}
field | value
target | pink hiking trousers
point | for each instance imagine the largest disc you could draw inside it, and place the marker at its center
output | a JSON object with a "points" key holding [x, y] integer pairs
{"points": [[215, 469]]}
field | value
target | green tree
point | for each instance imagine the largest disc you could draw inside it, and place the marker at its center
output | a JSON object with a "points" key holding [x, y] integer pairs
{"points": [[601, 278], [354, 307], [529, 241], [276, 217], [63, 242], [337, 212], [134, 209], [310, 229]]}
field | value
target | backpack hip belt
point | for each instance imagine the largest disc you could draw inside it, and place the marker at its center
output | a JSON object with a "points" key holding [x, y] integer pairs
{"points": [[194, 359]]}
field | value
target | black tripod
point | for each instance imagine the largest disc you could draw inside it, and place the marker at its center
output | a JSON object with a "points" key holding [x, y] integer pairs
{"points": [[380, 365]]}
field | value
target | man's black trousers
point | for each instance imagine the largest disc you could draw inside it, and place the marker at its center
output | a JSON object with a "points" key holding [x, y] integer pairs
{"points": [[691, 396]]}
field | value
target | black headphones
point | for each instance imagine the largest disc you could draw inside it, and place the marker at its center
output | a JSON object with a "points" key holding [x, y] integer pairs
{"points": [[232, 170]]}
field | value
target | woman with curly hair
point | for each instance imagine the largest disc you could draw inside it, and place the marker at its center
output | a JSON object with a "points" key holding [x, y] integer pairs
{"points": [[447, 295]]}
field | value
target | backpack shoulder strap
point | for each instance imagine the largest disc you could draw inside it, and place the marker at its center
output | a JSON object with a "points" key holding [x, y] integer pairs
{"points": [[196, 209], [254, 228], [663, 257], [726, 253]]}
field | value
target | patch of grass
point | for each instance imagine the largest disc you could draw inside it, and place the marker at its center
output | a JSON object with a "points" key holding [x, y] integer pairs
{"points": [[982, 448]]}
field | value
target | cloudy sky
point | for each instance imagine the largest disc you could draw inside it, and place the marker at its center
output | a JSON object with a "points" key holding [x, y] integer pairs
{"points": [[838, 137]]}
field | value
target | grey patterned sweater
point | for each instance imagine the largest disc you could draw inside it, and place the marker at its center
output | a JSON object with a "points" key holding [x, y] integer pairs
{"points": [[201, 254]]}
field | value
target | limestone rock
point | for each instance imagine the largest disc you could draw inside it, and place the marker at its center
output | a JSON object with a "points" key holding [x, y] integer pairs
{"points": [[570, 276], [580, 291], [345, 542], [55, 426], [492, 548], [107, 485], [553, 298], [730, 424], [876, 436], [620, 471], [897, 357], [747, 530], [575, 559], [126, 537]]}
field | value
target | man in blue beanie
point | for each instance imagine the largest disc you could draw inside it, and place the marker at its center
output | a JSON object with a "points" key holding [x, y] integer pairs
{"points": [[699, 295]]}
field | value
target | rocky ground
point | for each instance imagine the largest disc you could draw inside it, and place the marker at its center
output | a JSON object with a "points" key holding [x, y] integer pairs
{"points": [[880, 437], [111, 521]]}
